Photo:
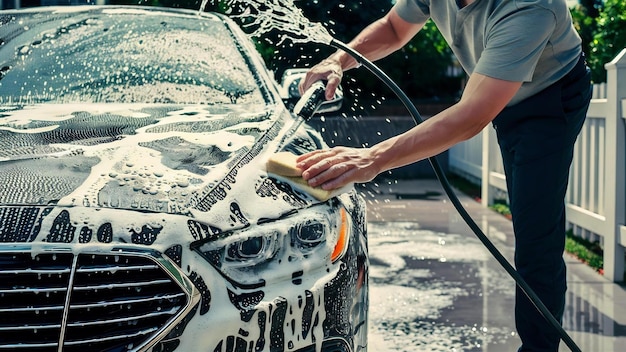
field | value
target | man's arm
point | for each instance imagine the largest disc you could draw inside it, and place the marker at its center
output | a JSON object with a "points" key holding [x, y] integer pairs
{"points": [[376, 41], [482, 100]]}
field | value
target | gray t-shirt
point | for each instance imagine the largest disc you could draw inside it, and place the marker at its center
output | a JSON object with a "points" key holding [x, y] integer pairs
{"points": [[529, 41]]}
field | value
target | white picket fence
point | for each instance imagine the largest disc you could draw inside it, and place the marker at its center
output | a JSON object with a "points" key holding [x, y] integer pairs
{"points": [[596, 197]]}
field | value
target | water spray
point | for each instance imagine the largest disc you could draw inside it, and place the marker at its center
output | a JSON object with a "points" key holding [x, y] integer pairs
{"points": [[519, 280]]}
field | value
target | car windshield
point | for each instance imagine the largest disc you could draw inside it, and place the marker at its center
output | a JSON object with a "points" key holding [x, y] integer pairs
{"points": [[138, 57]]}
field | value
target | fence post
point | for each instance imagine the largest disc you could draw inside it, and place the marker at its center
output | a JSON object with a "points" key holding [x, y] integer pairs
{"points": [[615, 179]]}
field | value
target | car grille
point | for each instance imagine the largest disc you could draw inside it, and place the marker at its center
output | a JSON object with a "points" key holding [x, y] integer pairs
{"points": [[86, 302]]}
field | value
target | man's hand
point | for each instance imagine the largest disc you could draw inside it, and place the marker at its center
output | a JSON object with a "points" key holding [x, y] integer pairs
{"points": [[328, 70], [337, 167]]}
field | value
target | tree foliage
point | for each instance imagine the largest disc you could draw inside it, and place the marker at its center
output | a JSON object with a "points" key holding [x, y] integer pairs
{"points": [[610, 36], [585, 16], [602, 26]]}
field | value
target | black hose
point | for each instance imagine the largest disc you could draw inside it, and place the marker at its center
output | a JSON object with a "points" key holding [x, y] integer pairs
{"points": [[532, 296]]}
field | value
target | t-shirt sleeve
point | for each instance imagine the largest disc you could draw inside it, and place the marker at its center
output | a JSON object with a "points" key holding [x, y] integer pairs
{"points": [[514, 44], [413, 11]]}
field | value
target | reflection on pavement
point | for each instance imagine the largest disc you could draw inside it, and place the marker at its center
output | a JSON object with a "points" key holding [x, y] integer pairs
{"points": [[430, 291], [434, 287]]}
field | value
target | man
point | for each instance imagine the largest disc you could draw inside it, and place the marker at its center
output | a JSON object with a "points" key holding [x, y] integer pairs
{"points": [[528, 78]]}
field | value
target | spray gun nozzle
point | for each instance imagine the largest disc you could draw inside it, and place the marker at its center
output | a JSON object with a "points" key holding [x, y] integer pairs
{"points": [[310, 101]]}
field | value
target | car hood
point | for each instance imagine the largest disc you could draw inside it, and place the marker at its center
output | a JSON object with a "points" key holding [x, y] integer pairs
{"points": [[206, 162]]}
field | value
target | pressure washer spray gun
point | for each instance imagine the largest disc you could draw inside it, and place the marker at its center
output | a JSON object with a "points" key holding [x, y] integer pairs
{"points": [[311, 101]]}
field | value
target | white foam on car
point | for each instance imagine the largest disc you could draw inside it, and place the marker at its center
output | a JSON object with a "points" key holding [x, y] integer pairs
{"points": [[124, 161]]}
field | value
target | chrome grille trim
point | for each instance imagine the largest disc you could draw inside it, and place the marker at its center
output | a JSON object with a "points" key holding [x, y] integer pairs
{"points": [[66, 307], [142, 333], [106, 305], [30, 327], [35, 289], [120, 320], [137, 268], [45, 272], [134, 284]]}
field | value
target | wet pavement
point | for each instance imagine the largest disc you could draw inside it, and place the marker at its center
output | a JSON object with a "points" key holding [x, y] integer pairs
{"points": [[434, 287]]}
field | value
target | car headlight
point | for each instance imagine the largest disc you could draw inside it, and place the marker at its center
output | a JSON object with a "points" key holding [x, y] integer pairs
{"points": [[304, 241]]}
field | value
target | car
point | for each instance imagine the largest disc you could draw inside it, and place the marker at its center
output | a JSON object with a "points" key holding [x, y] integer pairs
{"points": [[136, 209]]}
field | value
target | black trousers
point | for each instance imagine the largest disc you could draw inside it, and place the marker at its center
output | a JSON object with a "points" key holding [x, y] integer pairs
{"points": [[536, 138]]}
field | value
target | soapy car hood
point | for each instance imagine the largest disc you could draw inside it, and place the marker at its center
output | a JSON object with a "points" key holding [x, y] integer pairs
{"points": [[199, 161]]}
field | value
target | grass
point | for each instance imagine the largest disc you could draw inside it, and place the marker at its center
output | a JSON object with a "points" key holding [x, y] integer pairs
{"points": [[588, 252], [465, 186], [501, 207]]}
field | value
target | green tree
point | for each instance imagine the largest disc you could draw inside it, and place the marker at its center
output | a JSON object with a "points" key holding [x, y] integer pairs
{"points": [[585, 16], [609, 38]]}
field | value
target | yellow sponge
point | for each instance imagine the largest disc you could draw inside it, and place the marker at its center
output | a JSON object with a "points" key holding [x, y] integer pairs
{"points": [[317, 192], [284, 164]]}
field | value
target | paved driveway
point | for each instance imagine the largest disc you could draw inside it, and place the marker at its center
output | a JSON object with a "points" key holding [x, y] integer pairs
{"points": [[434, 287]]}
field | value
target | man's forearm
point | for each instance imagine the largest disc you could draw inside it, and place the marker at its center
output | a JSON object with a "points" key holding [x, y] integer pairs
{"points": [[483, 98], [428, 139]]}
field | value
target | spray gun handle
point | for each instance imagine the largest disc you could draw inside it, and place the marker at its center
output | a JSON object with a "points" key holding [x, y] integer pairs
{"points": [[310, 101]]}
